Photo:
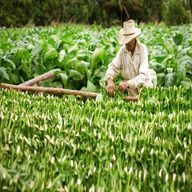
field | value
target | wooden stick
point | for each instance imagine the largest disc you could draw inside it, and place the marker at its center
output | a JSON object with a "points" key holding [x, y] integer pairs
{"points": [[130, 98], [40, 78], [50, 90]]}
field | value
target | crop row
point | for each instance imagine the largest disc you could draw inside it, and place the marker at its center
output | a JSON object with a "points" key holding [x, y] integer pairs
{"points": [[65, 144]]}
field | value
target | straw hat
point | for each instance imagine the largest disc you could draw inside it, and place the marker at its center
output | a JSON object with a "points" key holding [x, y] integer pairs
{"points": [[128, 32]]}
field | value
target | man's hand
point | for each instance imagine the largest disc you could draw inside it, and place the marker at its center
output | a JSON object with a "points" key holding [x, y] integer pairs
{"points": [[110, 87], [123, 85]]}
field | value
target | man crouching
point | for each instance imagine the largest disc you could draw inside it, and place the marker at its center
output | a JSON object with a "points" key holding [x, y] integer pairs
{"points": [[131, 60]]}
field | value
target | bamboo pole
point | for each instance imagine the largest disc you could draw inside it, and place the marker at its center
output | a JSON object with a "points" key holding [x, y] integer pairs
{"points": [[130, 98], [40, 78], [49, 90], [52, 90]]}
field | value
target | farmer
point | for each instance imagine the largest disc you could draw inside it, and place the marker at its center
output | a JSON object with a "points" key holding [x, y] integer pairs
{"points": [[131, 61]]}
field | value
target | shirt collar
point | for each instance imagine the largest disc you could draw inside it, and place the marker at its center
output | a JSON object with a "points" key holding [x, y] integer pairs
{"points": [[136, 51]]}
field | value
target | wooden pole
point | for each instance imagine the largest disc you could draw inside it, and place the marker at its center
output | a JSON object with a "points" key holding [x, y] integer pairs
{"points": [[52, 90], [130, 98], [49, 90], [40, 78]]}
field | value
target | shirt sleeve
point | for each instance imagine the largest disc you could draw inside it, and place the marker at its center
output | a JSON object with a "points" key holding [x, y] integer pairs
{"points": [[140, 79], [114, 67]]}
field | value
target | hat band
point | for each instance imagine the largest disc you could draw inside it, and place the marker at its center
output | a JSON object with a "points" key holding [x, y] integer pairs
{"points": [[128, 34]]}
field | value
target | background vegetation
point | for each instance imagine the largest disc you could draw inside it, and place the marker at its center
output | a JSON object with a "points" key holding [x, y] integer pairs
{"points": [[83, 53], [104, 12]]}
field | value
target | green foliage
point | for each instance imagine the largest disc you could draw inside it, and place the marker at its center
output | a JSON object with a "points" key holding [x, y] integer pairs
{"points": [[36, 12], [176, 13], [3, 74], [50, 143], [169, 52], [16, 13], [83, 53]]}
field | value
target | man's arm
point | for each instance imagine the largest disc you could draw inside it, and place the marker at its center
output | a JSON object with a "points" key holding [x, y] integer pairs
{"points": [[139, 80], [114, 67], [112, 72]]}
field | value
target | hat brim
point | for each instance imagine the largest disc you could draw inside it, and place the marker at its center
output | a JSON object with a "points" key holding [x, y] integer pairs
{"points": [[126, 39]]}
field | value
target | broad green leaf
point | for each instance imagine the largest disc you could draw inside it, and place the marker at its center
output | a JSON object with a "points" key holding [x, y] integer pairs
{"points": [[82, 66], [181, 71], [39, 68], [83, 55], [169, 70], [159, 68], [75, 75], [97, 57], [189, 52], [185, 60], [170, 79], [56, 71], [178, 38], [100, 72], [160, 79], [51, 54], [190, 41], [81, 42], [73, 50], [22, 54], [67, 37], [3, 74], [64, 78], [1, 53], [56, 84], [8, 63], [54, 40], [186, 84], [160, 58], [170, 46], [26, 68], [51, 83], [90, 87], [15, 77], [71, 63], [36, 51], [62, 55], [169, 58]]}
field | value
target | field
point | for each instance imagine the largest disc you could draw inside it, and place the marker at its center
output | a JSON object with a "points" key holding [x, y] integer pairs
{"points": [[68, 143], [84, 52]]}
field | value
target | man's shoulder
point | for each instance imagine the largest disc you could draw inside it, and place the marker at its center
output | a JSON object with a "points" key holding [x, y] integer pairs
{"points": [[122, 49], [142, 46]]}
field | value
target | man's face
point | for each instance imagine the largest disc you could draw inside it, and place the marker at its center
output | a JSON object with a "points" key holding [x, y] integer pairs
{"points": [[131, 45]]}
